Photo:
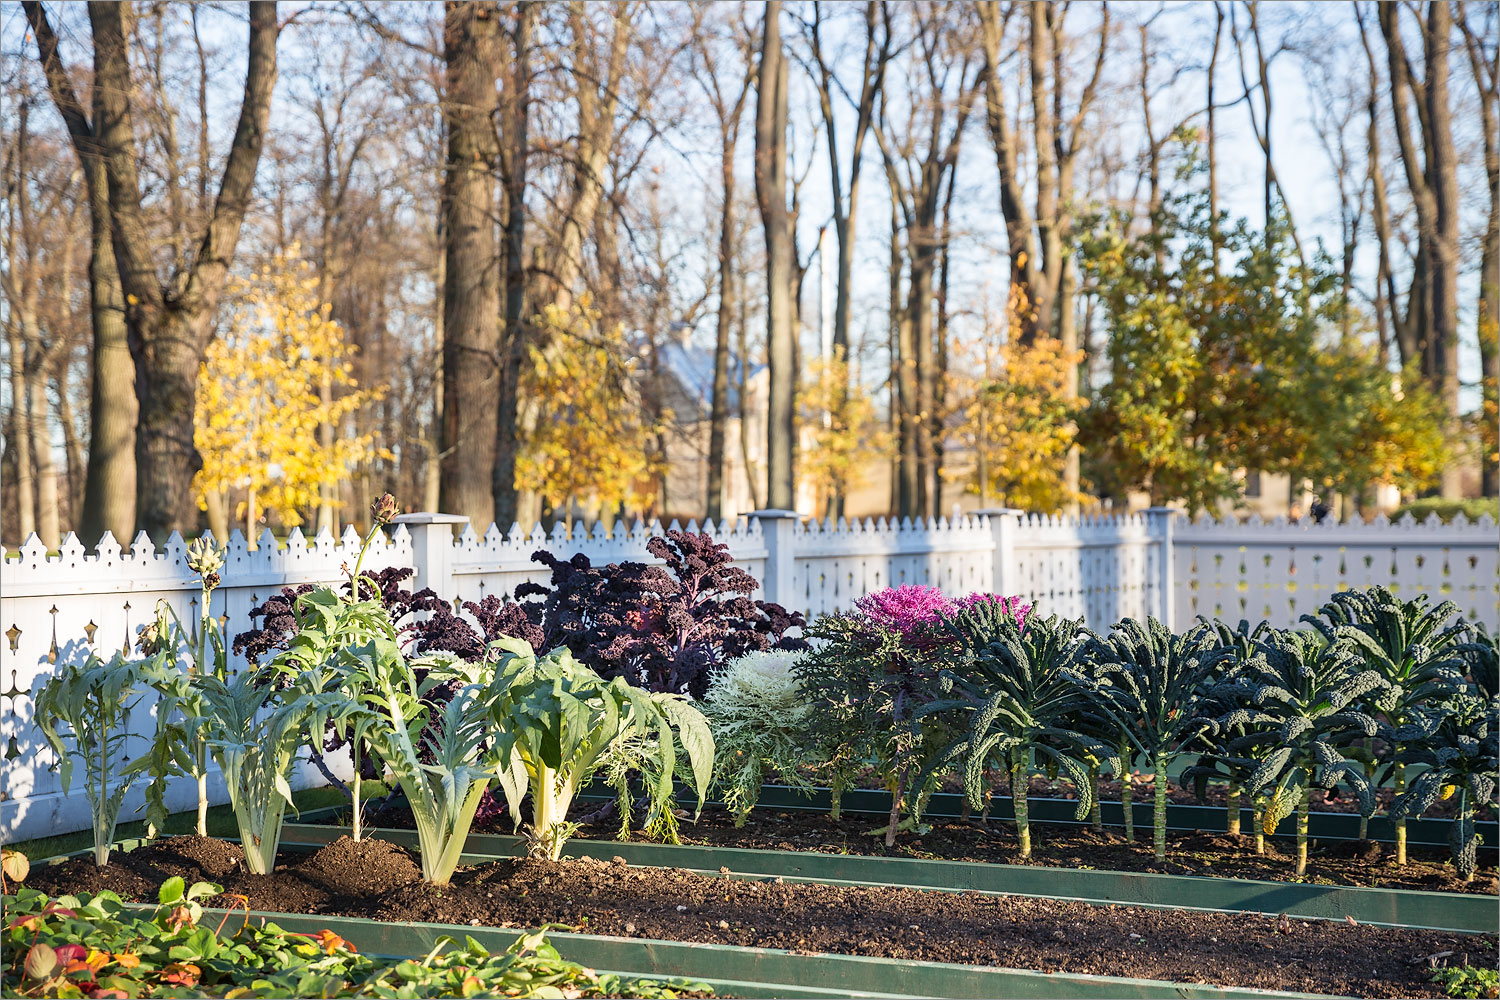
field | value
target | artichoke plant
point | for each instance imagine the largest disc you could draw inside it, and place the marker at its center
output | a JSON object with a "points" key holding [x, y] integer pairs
{"points": [[1407, 643], [1299, 703], [1461, 753], [1151, 683], [557, 723], [1022, 695]]}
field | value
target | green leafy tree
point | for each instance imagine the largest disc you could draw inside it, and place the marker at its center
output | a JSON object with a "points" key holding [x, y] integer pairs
{"points": [[1221, 358]]}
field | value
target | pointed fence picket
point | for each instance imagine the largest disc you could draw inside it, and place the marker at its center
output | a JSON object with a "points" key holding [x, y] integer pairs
{"points": [[59, 607]]}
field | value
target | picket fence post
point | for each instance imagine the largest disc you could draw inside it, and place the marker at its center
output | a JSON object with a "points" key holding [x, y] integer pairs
{"points": [[1159, 525], [778, 528], [1005, 524], [432, 550]]}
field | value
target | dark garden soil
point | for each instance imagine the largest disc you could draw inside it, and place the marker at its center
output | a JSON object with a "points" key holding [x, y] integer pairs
{"points": [[905, 924], [1331, 862]]}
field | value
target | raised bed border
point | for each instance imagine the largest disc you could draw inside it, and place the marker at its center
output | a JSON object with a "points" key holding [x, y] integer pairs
{"points": [[1209, 819], [1445, 911], [768, 972]]}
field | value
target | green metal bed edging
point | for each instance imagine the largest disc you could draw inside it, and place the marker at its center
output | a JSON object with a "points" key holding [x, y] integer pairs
{"points": [[768, 972], [1212, 819], [1456, 912]]}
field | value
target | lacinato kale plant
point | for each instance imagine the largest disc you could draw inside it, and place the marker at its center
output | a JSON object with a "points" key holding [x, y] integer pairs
{"points": [[1460, 752], [1406, 643], [1152, 683], [1021, 698], [1213, 764], [1300, 703]]}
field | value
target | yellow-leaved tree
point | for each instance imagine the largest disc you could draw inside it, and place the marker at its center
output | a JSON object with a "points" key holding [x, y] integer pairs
{"points": [[1013, 413], [592, 448], [839, 437], [261, 402]]}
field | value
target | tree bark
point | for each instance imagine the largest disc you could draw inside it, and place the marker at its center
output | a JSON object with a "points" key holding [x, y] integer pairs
{"points": [[110, 482], [515, 336], [1432, 178], [1487, 79], [718, 419], [168, 327], [471, 292], [770, 191]]}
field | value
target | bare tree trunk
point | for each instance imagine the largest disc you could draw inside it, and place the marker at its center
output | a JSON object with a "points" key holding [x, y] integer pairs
{"points": [[903, 377], [1433, 181], [1215, 238], [1018, 221], [20, 431], [770, 190], [471, 292], [1487, 79], [742, 330], [72, 445], [719, 405], [168, 327], [515, 337], [110, 484]]}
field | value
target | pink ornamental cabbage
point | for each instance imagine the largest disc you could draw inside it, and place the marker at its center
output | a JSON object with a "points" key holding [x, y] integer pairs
{"points": [[1009, 605], [904, 608]]}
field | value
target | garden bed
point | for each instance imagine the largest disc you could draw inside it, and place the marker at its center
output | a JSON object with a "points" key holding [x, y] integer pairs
{"points": [[1393, 907], [1056, 802], [379, 880], [1335, 862]]}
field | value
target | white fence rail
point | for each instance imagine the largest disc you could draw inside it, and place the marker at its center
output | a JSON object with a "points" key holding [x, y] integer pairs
{"points": [[58, 608]]}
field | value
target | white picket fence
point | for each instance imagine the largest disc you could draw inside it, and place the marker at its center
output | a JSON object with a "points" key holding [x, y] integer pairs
{"points": [[57, 609]]}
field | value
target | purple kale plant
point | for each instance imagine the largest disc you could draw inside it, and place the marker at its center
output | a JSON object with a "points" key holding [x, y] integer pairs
{"points": [[692, 613], [278, 617], [659, 627], [906, 609]]}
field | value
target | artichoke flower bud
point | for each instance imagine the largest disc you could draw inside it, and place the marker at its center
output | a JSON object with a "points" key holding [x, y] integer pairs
{"points": [[384, 509], [205, 558], [149, 640]]}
